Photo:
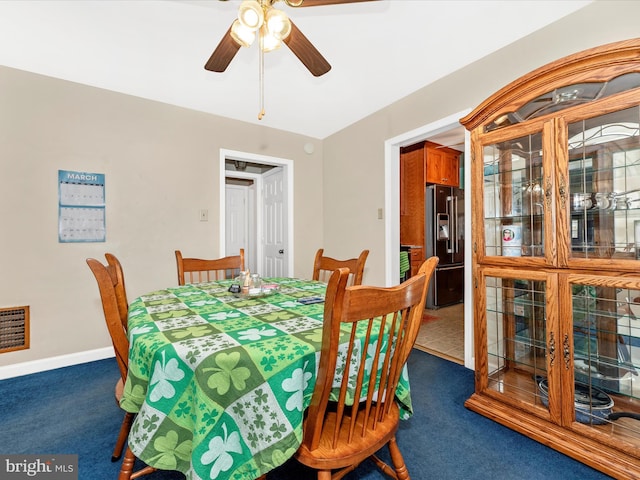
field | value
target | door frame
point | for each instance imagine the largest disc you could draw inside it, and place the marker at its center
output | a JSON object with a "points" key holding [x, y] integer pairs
{"points": [[392, 207], [287, 166]]}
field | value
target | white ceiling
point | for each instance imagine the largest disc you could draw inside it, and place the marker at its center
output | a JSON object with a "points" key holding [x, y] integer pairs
{"points": [[380, 51]]}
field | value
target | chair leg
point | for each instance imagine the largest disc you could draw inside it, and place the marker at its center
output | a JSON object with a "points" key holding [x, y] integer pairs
{"points": [[337, 474], [401, 472], [125, 428], [144, 471], [383, 467], [126, 471], [324, 475], [127, 465]]}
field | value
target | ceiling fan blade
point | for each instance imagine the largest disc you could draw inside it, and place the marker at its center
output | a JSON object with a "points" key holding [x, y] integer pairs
{"points": [[316, 3], [306, 52], [223, 54]]}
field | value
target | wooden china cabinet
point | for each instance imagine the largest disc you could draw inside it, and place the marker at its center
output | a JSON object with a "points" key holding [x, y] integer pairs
{"points": [[556, 256]]}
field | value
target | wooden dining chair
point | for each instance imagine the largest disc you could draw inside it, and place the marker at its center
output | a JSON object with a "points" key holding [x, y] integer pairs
{"points": [[323, 267], [197, 270], [110, 280], [337, 436], [115, 271]]}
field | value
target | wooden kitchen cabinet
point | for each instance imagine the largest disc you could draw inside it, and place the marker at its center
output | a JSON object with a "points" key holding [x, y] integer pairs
{"points": [[416, 257], [442, 165], [412, 191], [556, 241]]}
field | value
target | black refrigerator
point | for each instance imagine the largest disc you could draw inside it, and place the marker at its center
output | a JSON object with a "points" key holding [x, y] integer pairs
{"points": [[444, 238]]}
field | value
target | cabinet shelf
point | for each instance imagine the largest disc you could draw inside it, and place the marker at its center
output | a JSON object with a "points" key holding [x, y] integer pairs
{"points": [[521, 387], [526, 354]]}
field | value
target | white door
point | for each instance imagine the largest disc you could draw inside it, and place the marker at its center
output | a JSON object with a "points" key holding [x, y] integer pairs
{"points": [[274, 224], [237, 222]]}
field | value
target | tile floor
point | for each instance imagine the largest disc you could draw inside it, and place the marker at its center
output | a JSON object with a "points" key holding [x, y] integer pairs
{"points": [[442, 333]]}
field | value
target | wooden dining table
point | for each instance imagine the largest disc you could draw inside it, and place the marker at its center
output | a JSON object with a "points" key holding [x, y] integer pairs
{"points": [[219, 381]]}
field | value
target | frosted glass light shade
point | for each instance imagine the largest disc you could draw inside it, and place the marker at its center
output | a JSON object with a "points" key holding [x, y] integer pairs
{"points": [[268, 41], [242, 35], [250, 14], [278, 23]]}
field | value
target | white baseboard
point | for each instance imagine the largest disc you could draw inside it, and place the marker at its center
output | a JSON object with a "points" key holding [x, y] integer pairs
{"points": [[35, 366]]}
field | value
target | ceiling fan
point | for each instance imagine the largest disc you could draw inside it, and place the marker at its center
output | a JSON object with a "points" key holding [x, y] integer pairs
{"points": [[272, 27]]}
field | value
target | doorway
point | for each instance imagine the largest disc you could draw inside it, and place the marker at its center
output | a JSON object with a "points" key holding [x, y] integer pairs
{"points": [[446, 131], [256, 211]]}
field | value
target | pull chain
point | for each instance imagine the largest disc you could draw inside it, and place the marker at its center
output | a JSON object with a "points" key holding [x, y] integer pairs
{"points": [[261, 74]]}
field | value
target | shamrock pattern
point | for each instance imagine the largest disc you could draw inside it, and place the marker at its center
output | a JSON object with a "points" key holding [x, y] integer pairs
{"points": [[220, 383]]}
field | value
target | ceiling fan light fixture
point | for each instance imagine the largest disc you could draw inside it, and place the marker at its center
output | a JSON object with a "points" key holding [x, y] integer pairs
{"points": [[278, 24], [242, 35], [272, 27], [250, 14]]}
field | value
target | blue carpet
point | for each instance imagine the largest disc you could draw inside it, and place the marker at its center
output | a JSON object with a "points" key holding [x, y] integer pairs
{"points": [[72, 411]]}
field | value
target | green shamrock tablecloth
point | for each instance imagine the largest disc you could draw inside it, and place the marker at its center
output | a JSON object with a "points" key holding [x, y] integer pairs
{"points": [[220, 383]]}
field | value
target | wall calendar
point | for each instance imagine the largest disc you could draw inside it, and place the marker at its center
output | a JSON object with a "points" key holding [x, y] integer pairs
{"points": [[81, 207]]}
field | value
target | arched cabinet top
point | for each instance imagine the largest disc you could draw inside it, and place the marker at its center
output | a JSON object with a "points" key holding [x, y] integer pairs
{"points": [[597, 65]]}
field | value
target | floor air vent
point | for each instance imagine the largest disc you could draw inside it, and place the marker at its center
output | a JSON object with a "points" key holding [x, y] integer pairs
{"points": [[14, 329]]}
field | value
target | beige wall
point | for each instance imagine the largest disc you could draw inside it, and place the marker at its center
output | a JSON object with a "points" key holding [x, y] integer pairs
{"points": [[354, 157], [161, 166]]}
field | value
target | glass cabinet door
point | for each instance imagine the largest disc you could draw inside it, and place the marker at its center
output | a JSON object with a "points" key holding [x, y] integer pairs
{"points": [[517, 314], [604, 187], [516, 184], [606, 357]]}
